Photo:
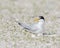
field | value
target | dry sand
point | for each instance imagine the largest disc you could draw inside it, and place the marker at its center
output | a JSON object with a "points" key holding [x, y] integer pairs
{"points": [[13, 36]]}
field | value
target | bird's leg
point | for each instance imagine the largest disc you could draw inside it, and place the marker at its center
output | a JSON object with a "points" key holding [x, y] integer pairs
{"points": [[44, 33]]}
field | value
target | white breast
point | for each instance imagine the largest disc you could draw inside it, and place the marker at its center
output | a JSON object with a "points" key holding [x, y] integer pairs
{"points": [[39, 26]]}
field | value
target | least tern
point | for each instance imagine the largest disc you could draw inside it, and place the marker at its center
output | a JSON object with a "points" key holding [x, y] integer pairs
{"points": [[36, 28]]}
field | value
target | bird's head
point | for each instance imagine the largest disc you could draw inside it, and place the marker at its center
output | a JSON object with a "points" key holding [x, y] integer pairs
{"points": [[39, 18]]}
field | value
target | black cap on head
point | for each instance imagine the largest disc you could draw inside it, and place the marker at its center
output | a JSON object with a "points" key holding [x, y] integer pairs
{"points": [[41, 17]]}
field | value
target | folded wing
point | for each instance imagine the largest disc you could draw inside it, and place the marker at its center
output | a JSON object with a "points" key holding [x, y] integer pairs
{"points": [[25, 26]]}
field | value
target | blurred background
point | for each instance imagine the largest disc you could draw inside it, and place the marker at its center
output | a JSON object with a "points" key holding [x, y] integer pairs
{"points": [[13, 36]]}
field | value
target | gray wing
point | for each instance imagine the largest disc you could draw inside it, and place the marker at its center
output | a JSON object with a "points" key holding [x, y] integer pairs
{"points": [[30, 28], [25, 26]]}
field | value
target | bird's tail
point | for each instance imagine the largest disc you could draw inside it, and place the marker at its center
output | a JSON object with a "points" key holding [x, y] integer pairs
{"points": [[24, 25]]}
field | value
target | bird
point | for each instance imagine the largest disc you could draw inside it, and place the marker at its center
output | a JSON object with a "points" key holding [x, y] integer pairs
{"points": [[35, 28]]}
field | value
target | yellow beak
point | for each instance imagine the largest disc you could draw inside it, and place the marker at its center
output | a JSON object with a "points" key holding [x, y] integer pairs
{"points": [[36, 19]]}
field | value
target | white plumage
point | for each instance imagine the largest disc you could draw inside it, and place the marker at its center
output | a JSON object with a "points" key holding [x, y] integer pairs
{"points": [[34, 28]]}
